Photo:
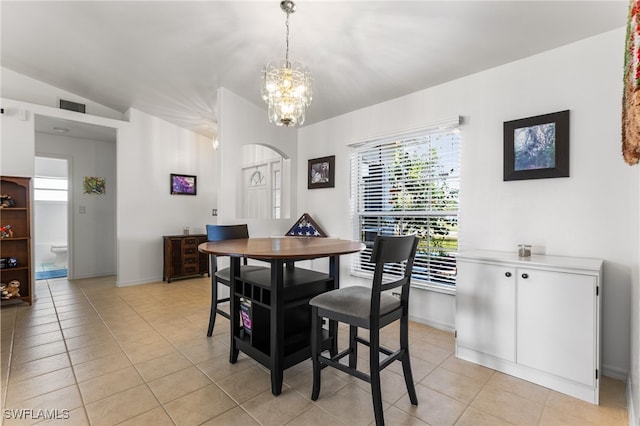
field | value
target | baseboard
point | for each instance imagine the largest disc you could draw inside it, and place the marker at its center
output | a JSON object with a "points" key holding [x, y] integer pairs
{"points": [[615, 372], [435, 324], [138, 282], [585, 392], [85, 276], [633, 411]]}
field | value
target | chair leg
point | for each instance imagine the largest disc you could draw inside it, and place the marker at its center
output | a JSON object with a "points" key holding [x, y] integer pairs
{"points": [[333, 332], [406, 363], [316, 349], [214, 305], [374, 367], [353, 347]]}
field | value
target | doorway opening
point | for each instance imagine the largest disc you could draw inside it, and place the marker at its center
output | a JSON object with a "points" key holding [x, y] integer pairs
{"points": [[51, 217], [265, 174]]}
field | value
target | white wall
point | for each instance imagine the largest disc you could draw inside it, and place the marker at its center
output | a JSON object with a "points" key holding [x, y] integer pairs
{"points": [[593, 213], [241, 123], [17, 145], [20, 87], [18, 136], [93, 245], [633, 382], [148, 151]]}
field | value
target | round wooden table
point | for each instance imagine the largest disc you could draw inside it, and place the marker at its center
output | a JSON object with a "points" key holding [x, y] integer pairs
{"points": [[279, 296], [290, 248]]}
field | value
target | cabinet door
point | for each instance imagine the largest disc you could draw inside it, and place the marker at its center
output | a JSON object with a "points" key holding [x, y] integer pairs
{"points": [[485, 309], [175, 257], [557, 323]]}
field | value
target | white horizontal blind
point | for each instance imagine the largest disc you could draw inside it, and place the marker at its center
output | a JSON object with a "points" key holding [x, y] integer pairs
{"points": [[50, 189], [410, 185]]}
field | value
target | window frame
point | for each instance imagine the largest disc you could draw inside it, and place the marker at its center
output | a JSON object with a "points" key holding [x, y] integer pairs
{"points": [[431, 278], [38, 188]]}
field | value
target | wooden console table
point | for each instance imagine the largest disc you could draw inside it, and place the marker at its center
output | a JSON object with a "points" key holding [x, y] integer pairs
{"points": [[181, 257], [279, 296]]}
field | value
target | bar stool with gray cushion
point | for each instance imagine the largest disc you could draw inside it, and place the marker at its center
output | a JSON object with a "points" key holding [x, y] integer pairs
{"points": [[223, 276], [372, 309]]}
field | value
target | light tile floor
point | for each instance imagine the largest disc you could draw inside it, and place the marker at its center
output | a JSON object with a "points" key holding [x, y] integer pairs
{"points": [[139, 355]]}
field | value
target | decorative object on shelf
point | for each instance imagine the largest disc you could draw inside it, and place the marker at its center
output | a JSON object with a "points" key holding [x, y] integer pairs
{"points": [[631, 94], [6, 201], [322, 172], [306, 227], [245, 314], [6, 231], [183, 184], [93, 185], [524, 250], [537, 147], [8, 262], [10, 290], [286, 87]]}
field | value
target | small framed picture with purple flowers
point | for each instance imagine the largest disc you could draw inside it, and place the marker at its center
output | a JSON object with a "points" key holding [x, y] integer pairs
{"points": [[183, 184]]}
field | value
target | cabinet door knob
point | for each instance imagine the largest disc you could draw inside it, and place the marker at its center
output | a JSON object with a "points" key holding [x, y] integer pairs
{"points": [[507, 274], [525, 276]]}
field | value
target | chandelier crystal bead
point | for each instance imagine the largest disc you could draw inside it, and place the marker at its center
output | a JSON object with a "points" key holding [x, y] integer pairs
{"points": [[286, 87]]}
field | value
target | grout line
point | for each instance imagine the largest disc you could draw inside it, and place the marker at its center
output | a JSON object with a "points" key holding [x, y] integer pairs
{"points": [[64, 340], [133, 364]]}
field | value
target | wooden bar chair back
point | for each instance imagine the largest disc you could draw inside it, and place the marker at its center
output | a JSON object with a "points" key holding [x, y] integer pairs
{"points": [[372, 309], [223, 276]]}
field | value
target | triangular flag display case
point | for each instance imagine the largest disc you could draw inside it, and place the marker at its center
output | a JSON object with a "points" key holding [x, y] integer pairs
{"points": [[306, 227]]}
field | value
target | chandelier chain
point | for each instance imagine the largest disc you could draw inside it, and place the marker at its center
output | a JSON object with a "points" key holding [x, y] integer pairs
{"points": [[286, 87], [286, 56]]}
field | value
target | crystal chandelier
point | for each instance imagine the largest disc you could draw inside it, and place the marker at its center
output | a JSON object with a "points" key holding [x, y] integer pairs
{"points": [[286, 87]]}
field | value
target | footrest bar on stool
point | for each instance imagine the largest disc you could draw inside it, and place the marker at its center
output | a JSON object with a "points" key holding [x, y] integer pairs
{"points": [[345, 368]]}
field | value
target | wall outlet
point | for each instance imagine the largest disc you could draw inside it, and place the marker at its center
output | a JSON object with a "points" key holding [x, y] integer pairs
{"points": [[214, 212], [82, 210]]}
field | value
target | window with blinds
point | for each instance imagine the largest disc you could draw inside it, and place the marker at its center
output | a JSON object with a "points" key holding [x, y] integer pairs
{"points": [[50, 189], [409, 185]]}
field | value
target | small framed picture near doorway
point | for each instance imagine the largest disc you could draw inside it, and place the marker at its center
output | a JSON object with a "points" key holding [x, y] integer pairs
{"points": [[537, 147], [183, 184], [322, 172]]}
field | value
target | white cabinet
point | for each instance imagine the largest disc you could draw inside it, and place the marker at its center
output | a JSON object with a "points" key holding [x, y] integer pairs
{"points": [[537, 318], [484, 307]]}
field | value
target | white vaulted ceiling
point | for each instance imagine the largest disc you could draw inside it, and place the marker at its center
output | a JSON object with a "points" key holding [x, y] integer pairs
{"points": [[168, 58]]}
